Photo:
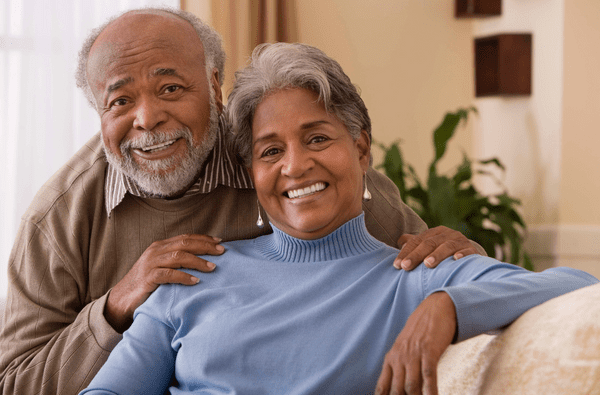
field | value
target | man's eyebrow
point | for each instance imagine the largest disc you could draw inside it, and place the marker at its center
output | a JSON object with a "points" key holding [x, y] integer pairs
{"points": [[166, 71], [113, 87]]}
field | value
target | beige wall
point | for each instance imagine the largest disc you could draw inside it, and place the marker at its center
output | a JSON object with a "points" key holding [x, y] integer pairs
{"points": [[411, 59], [580, 167], [525, 132]]}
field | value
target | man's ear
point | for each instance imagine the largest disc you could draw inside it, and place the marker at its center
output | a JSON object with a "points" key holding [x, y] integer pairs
{"points": [[214, 82], [363, 144]]}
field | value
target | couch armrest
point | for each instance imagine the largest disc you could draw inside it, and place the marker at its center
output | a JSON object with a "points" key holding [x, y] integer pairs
{"points": [[553, 348]]}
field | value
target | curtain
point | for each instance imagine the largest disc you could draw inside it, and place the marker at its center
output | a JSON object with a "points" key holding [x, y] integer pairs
{"points": [[244, 24], [44, 118]]}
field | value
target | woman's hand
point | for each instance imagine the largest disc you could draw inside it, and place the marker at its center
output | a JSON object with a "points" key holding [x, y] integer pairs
{"points": [[410, 367], [433, 246]]}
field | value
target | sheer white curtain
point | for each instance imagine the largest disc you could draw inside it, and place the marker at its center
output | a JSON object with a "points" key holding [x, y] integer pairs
{"points": [[44, 119]]}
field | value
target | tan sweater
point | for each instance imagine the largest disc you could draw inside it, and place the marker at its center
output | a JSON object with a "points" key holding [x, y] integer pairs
{"points": [[68, 254]]}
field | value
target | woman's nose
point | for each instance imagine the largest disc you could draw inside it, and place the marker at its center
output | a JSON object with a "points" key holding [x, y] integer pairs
{"points": [[297, 162], [149, 114]]}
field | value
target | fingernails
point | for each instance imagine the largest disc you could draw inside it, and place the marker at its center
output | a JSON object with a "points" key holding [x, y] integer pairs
{"points": [[397, 264], [195, 280], [429, 261], [458, 256], [406, 264], [220, 248], [211, 265], [217, 239]]}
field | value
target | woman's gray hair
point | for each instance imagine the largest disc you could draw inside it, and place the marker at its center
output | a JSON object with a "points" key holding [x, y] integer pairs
{"points": [[214, 55], [279, 66]]}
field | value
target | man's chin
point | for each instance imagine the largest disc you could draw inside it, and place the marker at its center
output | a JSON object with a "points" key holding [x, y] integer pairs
{"points": [[164, 184]]}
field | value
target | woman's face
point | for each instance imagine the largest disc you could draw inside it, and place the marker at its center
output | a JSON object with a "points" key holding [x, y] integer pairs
{"points": [[307, 169]]}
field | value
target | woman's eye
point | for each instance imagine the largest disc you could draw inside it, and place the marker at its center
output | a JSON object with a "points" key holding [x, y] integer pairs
{"points": [[270, 152], [318, 139]]}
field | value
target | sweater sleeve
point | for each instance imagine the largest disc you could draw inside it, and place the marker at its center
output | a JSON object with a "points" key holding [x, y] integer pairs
{"points": [[489, 294], [51, 341], [144, 361]]}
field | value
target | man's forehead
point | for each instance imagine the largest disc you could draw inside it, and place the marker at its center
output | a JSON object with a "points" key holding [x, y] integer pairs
{"points": [[140, 32]]}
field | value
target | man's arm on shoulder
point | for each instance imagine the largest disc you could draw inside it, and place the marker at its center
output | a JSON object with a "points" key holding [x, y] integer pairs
{"points": [[51, 341], [391, 221]]}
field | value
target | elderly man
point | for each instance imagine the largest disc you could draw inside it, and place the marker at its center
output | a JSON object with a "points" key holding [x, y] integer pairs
{"points": [[139, 201]]}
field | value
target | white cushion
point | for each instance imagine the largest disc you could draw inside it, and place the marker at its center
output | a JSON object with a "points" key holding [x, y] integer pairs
{"points": [[553, 348]]}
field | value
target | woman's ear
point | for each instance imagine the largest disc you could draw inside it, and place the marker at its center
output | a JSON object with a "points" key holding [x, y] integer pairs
{"points": [[363, 143]]}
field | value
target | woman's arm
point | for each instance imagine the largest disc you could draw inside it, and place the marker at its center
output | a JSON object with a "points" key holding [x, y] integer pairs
{"points": [[466, 298], [144, 361]]}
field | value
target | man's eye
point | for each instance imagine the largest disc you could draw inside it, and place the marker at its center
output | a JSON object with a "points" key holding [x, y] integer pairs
{"points": [[172, 88], [119, 102]]}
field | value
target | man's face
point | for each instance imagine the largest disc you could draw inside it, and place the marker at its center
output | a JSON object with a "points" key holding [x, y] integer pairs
{"points": [[154, 97]]}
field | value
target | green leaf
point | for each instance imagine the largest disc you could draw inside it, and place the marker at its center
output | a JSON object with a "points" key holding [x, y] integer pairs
{"points": [[463, 173], [445, 131], [494, 161]]}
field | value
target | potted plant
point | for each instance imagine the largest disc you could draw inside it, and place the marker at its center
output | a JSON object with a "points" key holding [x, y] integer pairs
{"points": [[453, 200]]}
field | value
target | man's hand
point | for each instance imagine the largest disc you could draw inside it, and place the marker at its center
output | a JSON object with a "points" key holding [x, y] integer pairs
{"points": [[410, 367], [158, 265], [431, 247]]}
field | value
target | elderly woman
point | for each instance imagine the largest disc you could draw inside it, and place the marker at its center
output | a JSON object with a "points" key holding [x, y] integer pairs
{"points": [[315, 307]]}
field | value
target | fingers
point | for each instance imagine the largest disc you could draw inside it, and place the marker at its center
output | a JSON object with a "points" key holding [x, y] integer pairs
{"points": [[465, 252], [412, 379], [384, 383], [429, 371], [432, 247], [194, 244]]}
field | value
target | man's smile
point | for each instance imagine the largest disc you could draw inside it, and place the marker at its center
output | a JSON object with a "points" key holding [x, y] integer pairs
{"points": [[158, 147], [161, 150]]}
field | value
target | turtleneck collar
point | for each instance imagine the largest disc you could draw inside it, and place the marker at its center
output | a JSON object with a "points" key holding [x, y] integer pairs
{"points": [[350, 239]]}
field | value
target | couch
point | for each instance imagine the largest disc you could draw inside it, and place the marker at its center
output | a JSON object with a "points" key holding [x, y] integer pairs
{"points": [[553, 348]]}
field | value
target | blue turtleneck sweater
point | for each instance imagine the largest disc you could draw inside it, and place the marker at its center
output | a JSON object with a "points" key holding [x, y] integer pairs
{"points": [[286, 316]]}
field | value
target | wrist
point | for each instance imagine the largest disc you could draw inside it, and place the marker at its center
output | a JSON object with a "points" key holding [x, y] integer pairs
{"points": [[118, 317]]}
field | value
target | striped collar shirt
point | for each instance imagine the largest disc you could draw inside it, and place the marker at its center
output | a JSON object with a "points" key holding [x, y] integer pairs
{"points": [[221, 168]]}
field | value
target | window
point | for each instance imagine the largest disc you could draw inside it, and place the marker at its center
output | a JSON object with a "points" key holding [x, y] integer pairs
{"points": [[44, 118]]}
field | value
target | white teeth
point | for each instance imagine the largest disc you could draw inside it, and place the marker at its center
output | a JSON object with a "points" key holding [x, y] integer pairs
{"points": [[157, 147], [298, 193]]}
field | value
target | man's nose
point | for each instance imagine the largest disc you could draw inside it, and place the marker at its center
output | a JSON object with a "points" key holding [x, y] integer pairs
{"points": [[297, 162], [149, 113]]}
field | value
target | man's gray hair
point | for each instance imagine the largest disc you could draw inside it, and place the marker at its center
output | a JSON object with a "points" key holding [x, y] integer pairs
{"points": [[214, 55], [279, 66]]}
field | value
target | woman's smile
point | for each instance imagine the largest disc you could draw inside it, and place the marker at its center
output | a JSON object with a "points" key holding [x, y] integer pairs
{"points": [[306, 191]]}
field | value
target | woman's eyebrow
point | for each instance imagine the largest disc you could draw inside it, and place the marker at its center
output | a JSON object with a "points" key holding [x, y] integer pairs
{"points": [[313, 124], [304, 126]]}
